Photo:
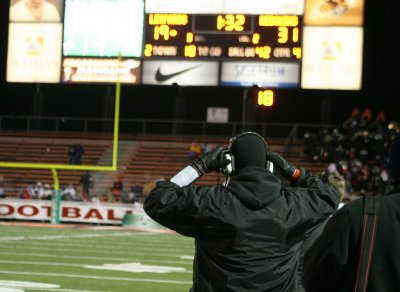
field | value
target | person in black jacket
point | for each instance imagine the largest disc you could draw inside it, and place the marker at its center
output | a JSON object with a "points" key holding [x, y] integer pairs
{"points": [[248, 231], [331, 264]]}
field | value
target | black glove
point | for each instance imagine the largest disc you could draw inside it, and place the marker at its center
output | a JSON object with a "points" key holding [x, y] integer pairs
{"points": [[211, 161], [288, 171]]}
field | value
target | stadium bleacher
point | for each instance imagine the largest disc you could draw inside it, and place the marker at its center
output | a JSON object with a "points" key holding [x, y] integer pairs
{"points": [[140, 158]]}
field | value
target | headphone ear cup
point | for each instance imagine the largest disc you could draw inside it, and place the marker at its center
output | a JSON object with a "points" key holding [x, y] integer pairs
{"points": [[233, 168], [270, 166], [230, 168]]}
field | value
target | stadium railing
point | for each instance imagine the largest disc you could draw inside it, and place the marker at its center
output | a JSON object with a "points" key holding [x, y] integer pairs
{"points": [[144, 127]]}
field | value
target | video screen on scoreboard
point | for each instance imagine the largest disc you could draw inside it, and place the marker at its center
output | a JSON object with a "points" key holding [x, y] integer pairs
{"points": [[103, 28]]}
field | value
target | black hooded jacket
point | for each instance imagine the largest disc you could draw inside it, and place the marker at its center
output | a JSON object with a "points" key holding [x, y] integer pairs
{"points": [[248, 234]]}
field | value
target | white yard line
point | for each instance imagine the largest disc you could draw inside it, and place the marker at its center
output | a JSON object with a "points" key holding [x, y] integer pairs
{"points": [[165, 252], [96, 258], [57, 264], [98, 277], [52, 237]]}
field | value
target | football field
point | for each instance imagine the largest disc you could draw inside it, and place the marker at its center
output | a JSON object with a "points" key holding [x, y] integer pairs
{"points": [[74, 258]]}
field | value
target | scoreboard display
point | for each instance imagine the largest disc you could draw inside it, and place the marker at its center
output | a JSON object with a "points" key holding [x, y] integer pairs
{"points": [[223, 36], [310, 44]]}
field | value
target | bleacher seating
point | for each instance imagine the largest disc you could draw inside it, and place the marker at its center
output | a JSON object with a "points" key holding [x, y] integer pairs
{"points": [[42, 150], [150, 158], [162, 159]]}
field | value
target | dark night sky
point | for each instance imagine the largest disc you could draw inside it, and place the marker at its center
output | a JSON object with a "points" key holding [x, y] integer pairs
{"points": [[379, 91]]}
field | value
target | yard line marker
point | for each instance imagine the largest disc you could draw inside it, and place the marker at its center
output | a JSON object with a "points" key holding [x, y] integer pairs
{"points": [[98, 277], [96, 258]]}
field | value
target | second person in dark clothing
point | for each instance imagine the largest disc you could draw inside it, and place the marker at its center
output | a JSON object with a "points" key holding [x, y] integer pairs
{"points": [[332, 264]]}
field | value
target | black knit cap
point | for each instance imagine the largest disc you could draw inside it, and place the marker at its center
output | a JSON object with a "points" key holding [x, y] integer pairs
{"points": [[394, 159], [249, 149]]}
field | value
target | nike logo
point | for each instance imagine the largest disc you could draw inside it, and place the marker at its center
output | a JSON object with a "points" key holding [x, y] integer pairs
{"points": [[164, 77]]}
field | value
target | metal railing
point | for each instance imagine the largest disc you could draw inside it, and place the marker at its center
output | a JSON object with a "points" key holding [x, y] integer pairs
{"points": [[143, 127]]}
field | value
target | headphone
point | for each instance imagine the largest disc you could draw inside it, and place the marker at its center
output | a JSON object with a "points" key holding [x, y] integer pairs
{"points": [[227, 154]]}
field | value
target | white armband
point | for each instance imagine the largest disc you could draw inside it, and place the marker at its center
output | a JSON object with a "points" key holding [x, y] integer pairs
{"points": [[186, 176]]}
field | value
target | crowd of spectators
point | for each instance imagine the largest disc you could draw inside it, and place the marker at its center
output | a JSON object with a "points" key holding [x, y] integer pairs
{"points": [[358, 150], [79, 192], [45, 191]]}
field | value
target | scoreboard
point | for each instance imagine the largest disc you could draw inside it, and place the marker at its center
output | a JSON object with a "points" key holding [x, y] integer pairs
{"points": [[223, 36], [310, 44]]}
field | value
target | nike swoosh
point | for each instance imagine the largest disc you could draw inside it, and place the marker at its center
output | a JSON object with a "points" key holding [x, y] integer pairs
{"points": [[164, 77]]}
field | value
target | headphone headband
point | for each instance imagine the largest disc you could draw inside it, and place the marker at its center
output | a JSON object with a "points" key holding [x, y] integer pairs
{"points": [[245, 133], [227, 152]]}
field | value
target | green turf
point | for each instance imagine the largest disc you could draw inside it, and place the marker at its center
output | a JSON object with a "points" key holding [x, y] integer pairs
{"points": [[75, 259]]}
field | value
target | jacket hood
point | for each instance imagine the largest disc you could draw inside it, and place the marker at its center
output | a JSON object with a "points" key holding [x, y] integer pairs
{"points": [[255, 187]]}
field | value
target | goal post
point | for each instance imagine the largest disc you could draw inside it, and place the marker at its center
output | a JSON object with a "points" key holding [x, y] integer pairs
{"points": [[56, 200]]}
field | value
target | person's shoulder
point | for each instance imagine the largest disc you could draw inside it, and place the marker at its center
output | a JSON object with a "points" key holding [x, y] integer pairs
{"points": [[353, 206], [353, 211], [391, 199]]}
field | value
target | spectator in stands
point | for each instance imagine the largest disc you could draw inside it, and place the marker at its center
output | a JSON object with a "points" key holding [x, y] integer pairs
{"points": [[2, 191], [366, 119], [379, 124], [248, 232], [70, 194], [78, 153], [332, 263], [38, 191], [75, 152], [311, 146], [28, 192], [87, 183], [351, 124], [47, 192], [194, 150], [71, 153], [116, 189], [149, 184], [393, 129], [134, 195], [207, 147]]}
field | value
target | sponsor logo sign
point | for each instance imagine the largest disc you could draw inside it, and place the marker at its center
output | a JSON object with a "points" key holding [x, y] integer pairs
{"points": [[70, 211], [180, 72], [34, 52], [332, 58], [101, 70], [263, 74]]}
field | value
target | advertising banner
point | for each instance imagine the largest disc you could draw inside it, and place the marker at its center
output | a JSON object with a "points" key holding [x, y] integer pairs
{"points": [[82, 212], [262, 74], [332, 58], [322, 12], [181, 72], [34, 52], [98, 70], [225, 6]]}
